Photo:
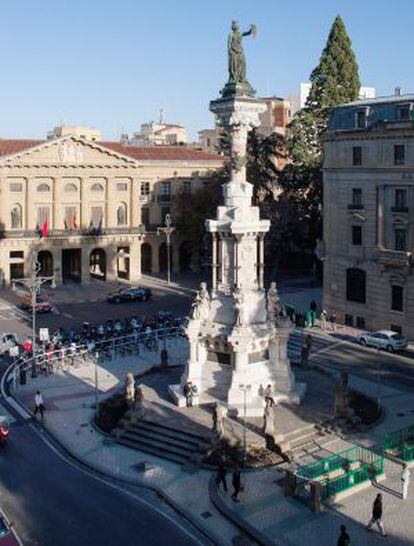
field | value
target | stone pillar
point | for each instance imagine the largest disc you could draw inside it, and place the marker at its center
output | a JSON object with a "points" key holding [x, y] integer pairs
{"points": [[236, 259], [283, 377], [135, 261], [214, 263], [196, 359], [111, 264], [85, 264], [261, 261]]}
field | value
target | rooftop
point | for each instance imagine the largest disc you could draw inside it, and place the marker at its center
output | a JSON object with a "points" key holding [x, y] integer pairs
{"points": [[409, 97]]}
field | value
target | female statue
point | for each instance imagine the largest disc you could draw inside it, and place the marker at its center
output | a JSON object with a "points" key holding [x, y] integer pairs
{"points": [[237, 60]]}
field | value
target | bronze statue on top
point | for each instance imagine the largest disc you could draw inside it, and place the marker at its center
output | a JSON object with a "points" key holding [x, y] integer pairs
{"points": [[237, 84]]}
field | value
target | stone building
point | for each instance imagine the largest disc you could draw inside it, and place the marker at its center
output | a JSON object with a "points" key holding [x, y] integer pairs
{"points": [[91, 209], [368, 213]]}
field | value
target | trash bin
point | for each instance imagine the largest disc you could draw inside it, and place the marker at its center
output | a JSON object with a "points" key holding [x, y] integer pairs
{"points": [[23, 376]]}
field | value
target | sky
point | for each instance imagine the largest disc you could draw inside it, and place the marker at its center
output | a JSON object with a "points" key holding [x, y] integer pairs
{"points": [[112, 64]]}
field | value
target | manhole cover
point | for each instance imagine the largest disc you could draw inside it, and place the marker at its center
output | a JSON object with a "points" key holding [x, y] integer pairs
{"points": [[206, 515]]}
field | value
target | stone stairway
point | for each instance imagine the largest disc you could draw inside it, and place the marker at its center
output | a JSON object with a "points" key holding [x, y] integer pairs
{"points": [[163, 441], [307, 438], [297, 340]]}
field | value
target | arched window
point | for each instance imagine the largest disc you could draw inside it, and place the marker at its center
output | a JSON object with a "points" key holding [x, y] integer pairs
{"points": [[16, 216], [97, 187], [356, 285], [43, 187], [71, 187], [121, 214]]}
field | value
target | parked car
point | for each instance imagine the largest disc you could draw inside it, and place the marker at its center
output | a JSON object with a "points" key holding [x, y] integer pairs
{"points": [[130, 294], [43, 304], [384, 339], [7, 535]]}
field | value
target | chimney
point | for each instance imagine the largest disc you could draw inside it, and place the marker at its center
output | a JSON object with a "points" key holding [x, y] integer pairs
{"points": [[397, 91]]}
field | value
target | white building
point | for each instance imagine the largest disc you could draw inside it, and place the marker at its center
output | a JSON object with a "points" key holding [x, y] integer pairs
{"points": [[364, 93], [157, 134]]}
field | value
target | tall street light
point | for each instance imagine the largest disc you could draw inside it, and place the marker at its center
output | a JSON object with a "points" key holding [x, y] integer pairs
{"points": [[167, 231], [245, 388], [33, 284]]}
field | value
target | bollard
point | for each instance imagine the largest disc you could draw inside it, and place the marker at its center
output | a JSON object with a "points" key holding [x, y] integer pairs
{"points": [[315, 498]]}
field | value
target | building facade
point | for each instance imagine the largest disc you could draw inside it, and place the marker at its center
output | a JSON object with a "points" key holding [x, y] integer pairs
{"points": [[365, 93], [91, 209], [368, 214]]}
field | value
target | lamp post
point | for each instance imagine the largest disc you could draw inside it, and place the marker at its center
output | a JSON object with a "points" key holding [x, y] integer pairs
{"points": [[244, 387], [33, 284], [167, 231], [96, 380]]}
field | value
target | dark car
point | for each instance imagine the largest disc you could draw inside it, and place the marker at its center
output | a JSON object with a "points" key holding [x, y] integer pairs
{"points": [[130, 294]]}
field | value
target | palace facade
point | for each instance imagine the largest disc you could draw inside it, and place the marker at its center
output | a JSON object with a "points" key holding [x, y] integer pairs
{"points": [[91, 210]]}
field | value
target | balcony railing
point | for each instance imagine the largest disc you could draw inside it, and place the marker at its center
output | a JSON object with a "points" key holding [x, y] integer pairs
{"points": [[399, 209], [395, 258], [64, 233]]}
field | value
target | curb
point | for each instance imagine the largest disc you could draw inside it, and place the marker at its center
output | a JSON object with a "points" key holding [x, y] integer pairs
{"points": [[251, 531], [211, 537]]}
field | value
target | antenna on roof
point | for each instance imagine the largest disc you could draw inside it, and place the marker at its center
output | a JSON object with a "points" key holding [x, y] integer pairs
{"points": [[162, 116]]}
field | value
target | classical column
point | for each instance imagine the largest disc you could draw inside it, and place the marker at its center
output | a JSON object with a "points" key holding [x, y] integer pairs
{"points": [[135, 260], [85, 264], [111, 264], [236, 240], [261, 261], [214, 262]]}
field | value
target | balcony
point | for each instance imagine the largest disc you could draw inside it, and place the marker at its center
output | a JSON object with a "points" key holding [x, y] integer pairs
{"points": [[144, 199], [394, 258], [65, 233]]}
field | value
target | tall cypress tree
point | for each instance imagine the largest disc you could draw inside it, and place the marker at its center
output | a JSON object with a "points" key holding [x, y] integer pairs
{"points": [[334, 81]]}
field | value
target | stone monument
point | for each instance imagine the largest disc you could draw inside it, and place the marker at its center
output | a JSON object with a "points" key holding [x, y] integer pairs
{"points": [[237, 333]]}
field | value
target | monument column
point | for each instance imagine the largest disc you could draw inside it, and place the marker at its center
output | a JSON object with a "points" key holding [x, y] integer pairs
{"points": [[261, 261], [214, 262]]}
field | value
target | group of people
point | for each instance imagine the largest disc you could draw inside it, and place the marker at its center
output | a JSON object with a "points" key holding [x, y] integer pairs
{"points": [[222, 471]]}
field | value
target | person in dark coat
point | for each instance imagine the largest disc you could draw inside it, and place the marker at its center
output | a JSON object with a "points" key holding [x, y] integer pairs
{"points": [[344, 539], [236, 481], [221, 474], [377, 515]]}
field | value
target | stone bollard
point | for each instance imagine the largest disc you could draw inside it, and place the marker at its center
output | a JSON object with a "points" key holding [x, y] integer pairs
{"points": [[290, 483]]}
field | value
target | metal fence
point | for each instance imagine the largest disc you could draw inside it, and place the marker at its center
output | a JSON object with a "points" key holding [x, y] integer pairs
{"points": [[400, 443]]}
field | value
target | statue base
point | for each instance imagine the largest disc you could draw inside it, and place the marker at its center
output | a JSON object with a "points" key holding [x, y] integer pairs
{"points": [[237, 89]]}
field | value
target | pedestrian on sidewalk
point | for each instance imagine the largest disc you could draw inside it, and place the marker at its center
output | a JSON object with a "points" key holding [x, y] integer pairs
{"points": [[323, 319], [39, 404], [269, 396], [332, 321], [405, 481], [344, 539], [377, 515], [189, 391], [236, 482], [221, 474], [313, 308]]}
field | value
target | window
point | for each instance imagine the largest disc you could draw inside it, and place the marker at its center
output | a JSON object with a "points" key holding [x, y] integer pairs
{"points": [[399, 154], [71, 187], [96, 216], [16, 186], [397, 297], [43, 188], [43, 215], [400, 201], [97, 187], [397, 329], [16, 254], [356, 285], [349, 320], [121, 214], [361, 119], [404, 112], [187, 187], [357, 155], [164, 212], [357, 235], [360, 323], [357, 197], [16, 216], [401, 239], [145, 188], [145, 217], [70, 220], [122, 186], [166, 189]]}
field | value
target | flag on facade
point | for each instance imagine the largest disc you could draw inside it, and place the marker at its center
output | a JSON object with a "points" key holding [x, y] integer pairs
{"points": [[38, 231], [99, 230], [45, 229]]}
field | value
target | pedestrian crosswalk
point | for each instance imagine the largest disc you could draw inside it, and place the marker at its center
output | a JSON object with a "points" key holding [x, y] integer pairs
{"points": [[297, 340]]}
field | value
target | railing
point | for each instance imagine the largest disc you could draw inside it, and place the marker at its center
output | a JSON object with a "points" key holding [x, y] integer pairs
{"points": [[124, 230], [401, 443], [394, 257]]}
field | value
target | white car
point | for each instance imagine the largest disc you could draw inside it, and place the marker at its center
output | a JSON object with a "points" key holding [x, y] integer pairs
{"points": [[384, 339]]}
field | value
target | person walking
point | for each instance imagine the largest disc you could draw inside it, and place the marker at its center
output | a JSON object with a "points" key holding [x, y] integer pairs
{"points": [[39, 404], [377, 515], [221, 474], [313, 308], [344, 539], [405, 481], [268, 394], [323, 319], [236, 482], [332, 321]]}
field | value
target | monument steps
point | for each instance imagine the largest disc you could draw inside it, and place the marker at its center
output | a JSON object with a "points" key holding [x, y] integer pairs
{"points": [[176, 445]]}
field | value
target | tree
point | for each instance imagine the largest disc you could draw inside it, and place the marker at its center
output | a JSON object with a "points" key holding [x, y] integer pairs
{"points": [[334, 81]]}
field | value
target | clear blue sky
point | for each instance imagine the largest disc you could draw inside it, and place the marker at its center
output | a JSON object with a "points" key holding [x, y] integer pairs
{"points": [[114, 64]]}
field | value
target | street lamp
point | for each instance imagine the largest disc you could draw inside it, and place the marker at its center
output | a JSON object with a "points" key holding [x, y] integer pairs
{"points": [[245, 388], [33, 284], [167, 231], [96, 380]]}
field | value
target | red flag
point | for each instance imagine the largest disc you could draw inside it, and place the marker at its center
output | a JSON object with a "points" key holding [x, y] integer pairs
{"points": [[74, 225], [45, 229]]}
